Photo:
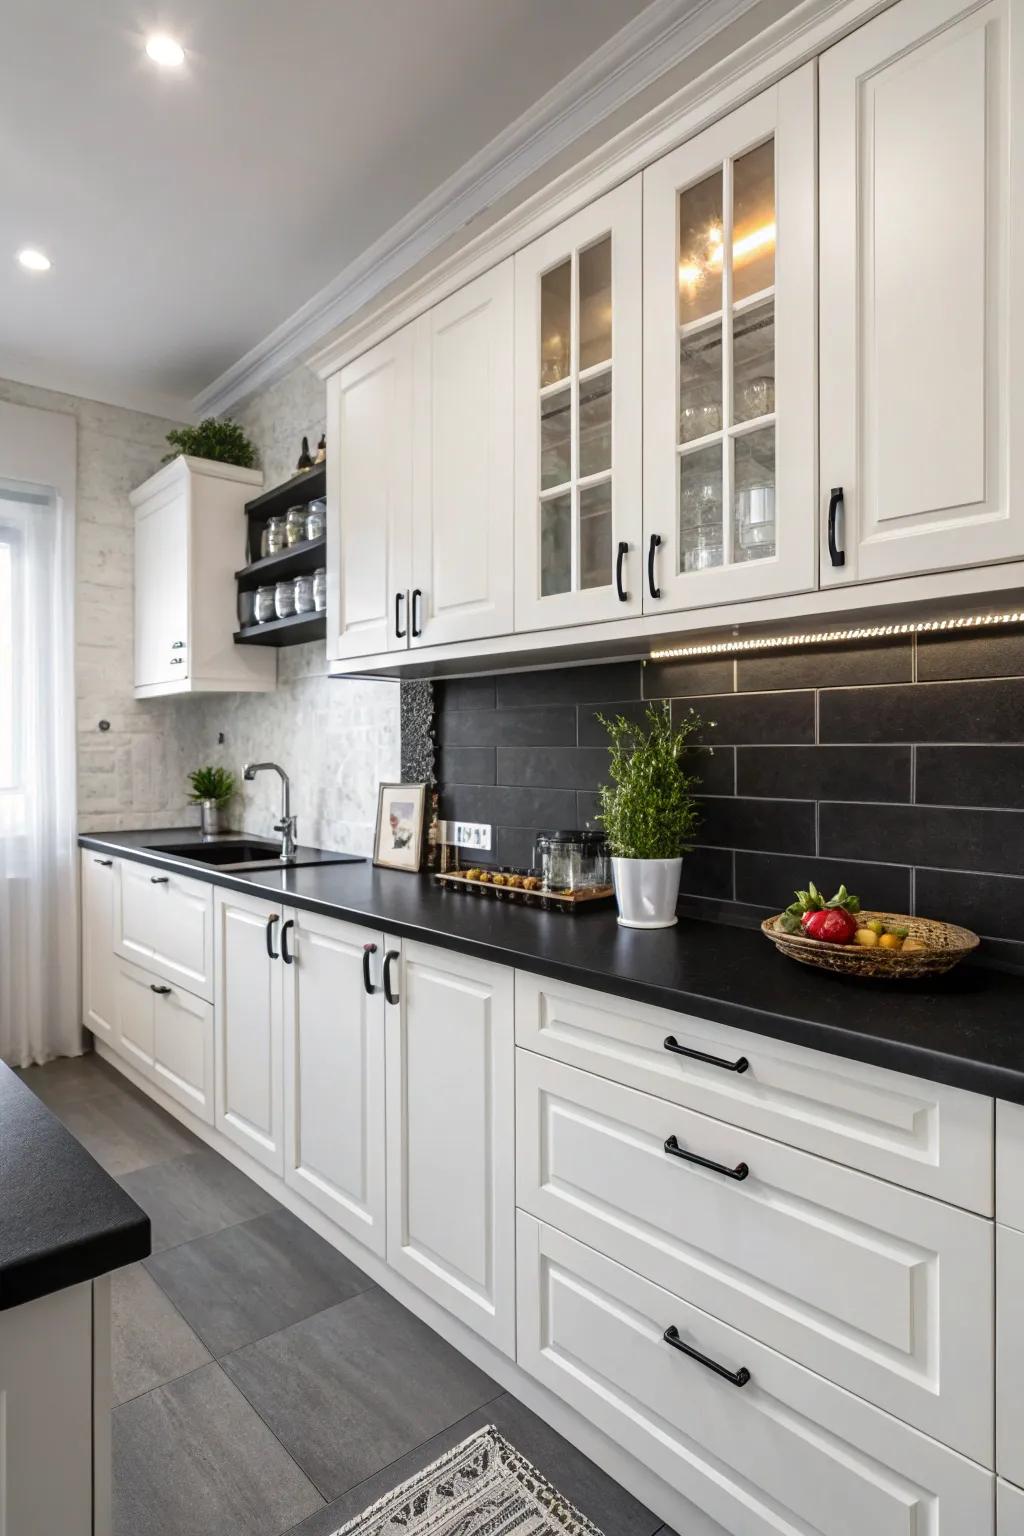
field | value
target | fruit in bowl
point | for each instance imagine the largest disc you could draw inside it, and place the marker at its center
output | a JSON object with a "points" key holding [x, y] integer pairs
{"points": [[832, 922]]}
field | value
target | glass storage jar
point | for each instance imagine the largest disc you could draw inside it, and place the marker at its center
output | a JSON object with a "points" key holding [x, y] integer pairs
{"points": [[284, 599], [246, 609], [316, 518], [273, 539], [320, 589], [304, 594], [295, 526], [572, 860], [265, 609]]}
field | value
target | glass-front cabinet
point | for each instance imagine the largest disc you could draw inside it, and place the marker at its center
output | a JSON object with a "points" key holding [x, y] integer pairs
{"points": [[578, 417], [729, 357]]}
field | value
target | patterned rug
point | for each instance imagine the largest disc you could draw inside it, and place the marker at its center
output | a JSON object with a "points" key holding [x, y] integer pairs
{"points": [[481, 1488]]}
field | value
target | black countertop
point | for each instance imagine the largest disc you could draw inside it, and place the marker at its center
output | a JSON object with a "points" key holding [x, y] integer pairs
{"points": [[965, 1028], [62, 1219]]}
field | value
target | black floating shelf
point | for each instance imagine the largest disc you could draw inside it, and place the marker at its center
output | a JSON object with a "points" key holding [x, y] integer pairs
{"points": [[299, 560], [294, 631], [307, 486]]}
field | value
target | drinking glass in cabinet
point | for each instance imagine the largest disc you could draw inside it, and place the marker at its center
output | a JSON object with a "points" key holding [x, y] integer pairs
{"points": [[754, 495], [555, 323], [320, 589], [556, 544], [295, 526], [284, 599], [595, 312], [700, 509], [596, 424], [304, 594], [596, 534], [265, 610]]}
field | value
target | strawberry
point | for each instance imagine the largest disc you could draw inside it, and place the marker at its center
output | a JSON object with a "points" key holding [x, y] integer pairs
{"points": [[834, 925], [831, 921]]}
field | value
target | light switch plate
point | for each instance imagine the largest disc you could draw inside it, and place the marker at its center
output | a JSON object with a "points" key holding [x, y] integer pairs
{"points": [[472, 834]]}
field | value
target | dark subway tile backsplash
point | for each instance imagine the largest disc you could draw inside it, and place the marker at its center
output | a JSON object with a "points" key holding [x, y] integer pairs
{"points": [[829, 764]]}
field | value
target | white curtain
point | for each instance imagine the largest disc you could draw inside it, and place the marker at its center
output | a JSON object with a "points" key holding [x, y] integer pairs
{"points": [[39, 1011]]}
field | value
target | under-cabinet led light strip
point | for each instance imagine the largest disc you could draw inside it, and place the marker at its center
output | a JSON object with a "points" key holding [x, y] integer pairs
{"points": [[831, 636]]}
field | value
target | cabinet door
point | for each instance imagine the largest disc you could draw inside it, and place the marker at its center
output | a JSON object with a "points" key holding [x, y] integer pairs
{"points": [[249, 1005], [1009, 1354], [99, 874], [1009, 1509], [164, 922], [369, 490], [334, 1072], [183, 1050], [922, 190], [134, 1024], [451, 1134], [729, 349], [577, 417], [161, 588], [462, 528]]}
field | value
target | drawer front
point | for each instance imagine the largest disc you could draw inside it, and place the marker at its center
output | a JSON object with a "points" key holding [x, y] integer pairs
{"points": [[919, 1134], [882, 1290], [164, 922], [1010, 1164], [1010, 1353], [785, 1453], [1009, 1509]]}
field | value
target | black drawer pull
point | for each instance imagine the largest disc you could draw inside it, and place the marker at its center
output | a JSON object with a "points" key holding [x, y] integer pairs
{"points": [[620, 558], [271, 920], [160, 991], [738, 1378], [368, 986], [672, 1044], [652, 550], [159, 879], [835, 501], [104, 863], [286, 954], [391, 997], [675, 1150]]}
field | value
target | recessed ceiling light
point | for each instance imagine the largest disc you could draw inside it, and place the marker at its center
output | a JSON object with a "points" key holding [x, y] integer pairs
{"points": [[164, 50], [34, 260]]}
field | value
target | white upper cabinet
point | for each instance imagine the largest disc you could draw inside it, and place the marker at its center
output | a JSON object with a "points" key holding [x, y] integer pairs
{"points": [[189, 541], [369, 491], [462, 574], [922, 193], [578, 459], [729, 357]]}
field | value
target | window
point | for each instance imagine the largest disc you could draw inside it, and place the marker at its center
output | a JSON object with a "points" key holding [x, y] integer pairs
{"points": [[26, 522], [10, 591]]}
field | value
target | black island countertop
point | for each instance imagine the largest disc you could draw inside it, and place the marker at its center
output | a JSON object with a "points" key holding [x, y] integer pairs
{"points": [[965, 1028], [63, 1220]]}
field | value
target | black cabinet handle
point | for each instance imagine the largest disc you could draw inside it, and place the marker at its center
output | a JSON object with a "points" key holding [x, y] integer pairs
{"points": [[738, 1378], [368, 986], [271, 920], [391, 997], [620, 559], [159, 879], [399, 631], [160, 991], [286, 954], [739, 1172], [416, 627], [104, 863], [672, 1044], [652, 550], [835, 501]]}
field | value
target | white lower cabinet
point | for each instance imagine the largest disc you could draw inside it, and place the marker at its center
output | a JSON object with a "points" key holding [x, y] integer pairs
{"points": [[451, 1133], [249, 1025], [166, 1034], [99, 876], [786, 1451], [1010, 1353], [334, 1072], [1009, 1509], [164, 922]]}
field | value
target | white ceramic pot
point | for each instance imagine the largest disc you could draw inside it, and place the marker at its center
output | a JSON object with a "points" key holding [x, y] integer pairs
{"points": [[646, 891]]}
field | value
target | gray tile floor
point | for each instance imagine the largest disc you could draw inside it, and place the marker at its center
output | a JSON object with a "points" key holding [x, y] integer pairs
{"points": [[263, 1383]]}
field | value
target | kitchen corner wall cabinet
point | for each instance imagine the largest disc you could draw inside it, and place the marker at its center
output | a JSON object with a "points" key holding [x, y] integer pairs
{"points": [[729, 357], [922, 290], [188, 534], [578, 424]]}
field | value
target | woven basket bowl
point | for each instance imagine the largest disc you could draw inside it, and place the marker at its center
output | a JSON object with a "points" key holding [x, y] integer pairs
{"points": [[947, 944]]}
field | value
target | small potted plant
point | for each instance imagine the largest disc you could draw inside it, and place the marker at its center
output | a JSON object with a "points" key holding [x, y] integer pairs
{"points": [[212, 789], [649, 813], [222, 441]]}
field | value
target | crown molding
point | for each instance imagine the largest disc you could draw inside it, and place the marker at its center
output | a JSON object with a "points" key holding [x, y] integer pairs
{"points": [[657, 40]]}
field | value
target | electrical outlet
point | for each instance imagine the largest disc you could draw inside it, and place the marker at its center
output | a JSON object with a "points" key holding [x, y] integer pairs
{"points": [[472, 834]]}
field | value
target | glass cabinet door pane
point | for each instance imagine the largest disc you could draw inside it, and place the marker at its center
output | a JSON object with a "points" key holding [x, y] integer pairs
{"points": [[700, 509], [556, 439], [595, 290], [700, 250], [700, 383], [753, 361], [555, 323], [556, 545], [596, 535], [596, 425], [753, 496], [753, 221]]}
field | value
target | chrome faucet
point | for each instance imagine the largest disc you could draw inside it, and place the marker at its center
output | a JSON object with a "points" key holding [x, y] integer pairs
{"points": [[286, 826]]}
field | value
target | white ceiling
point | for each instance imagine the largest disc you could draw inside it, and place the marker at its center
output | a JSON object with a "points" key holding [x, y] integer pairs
{"points": [[187, 213]]}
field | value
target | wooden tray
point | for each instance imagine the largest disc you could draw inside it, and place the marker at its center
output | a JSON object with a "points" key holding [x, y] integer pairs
{"points": [[548, 900], [947, 945]]}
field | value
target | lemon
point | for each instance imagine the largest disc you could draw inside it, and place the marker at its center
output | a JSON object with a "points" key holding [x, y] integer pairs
{"points": [[867, 938]]}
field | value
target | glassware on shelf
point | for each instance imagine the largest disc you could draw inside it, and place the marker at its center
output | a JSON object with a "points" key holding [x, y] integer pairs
{"points": [[274, 538], [320, 589], [304, 601], [246, 609], [754, 495], [284, 599], [295, 526], [758, 398], [265, 609], [701, 544], [316, 518]]}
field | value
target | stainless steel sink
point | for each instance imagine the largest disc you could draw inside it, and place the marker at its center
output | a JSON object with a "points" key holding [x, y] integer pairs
{"points": [[248, 854]]}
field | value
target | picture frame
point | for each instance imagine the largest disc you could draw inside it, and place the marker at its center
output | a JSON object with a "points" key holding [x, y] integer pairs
{"points": [[398, 840]]}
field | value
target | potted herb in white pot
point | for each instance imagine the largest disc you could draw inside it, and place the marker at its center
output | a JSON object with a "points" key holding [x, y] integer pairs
{"points": [[212, 789], [649, 813]]}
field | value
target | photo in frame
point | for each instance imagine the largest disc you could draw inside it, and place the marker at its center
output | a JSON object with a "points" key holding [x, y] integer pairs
{"points": [[398, 843]]}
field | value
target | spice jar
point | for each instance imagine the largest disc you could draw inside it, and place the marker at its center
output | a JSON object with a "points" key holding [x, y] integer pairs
{"points": [[316, 518], [273, 539], [320, 589], [284, 599], [265, 609], [304, 594], [295, 526]]}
